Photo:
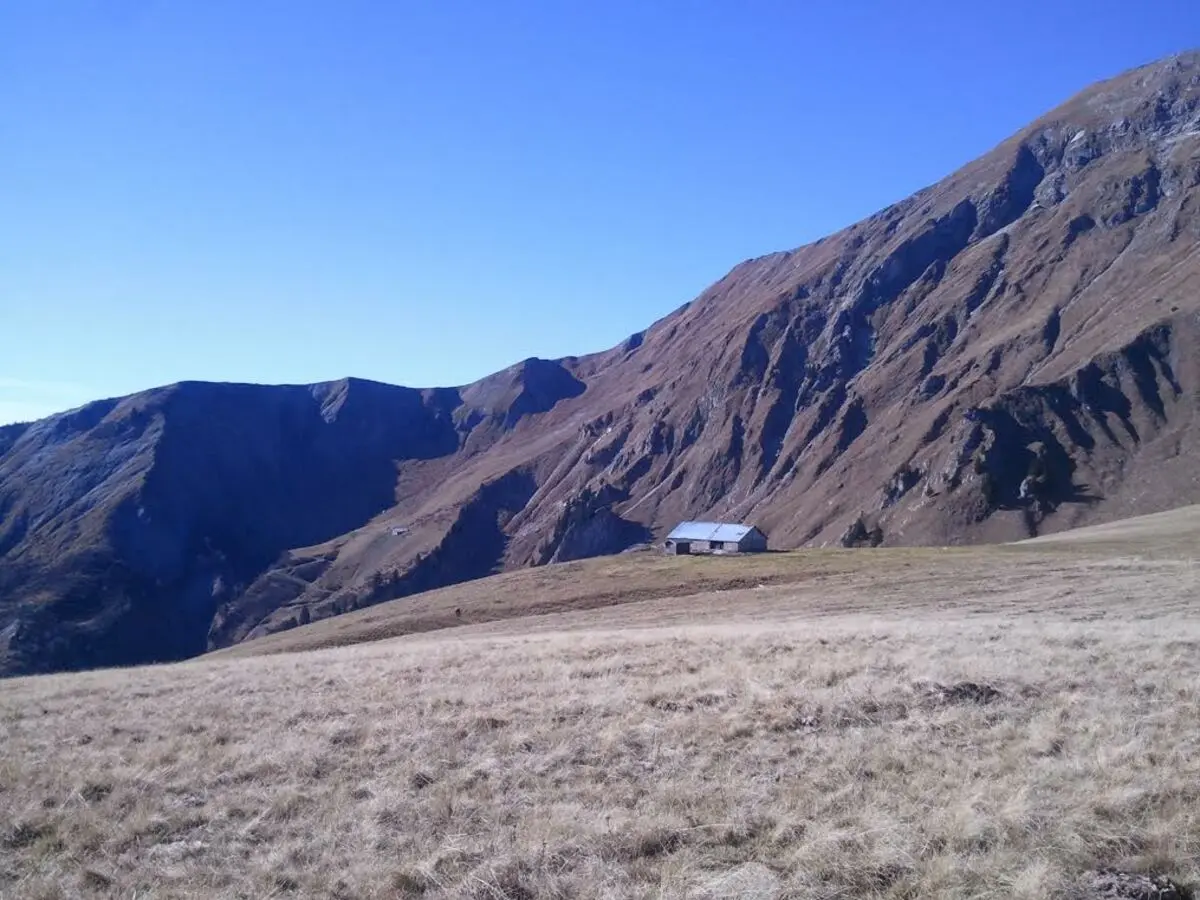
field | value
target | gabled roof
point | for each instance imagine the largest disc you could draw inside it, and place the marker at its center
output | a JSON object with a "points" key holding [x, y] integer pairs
{"points": [[709, 531]]}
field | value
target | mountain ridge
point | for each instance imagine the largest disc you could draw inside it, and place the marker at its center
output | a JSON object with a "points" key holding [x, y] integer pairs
{"points": [[1005, 353]]}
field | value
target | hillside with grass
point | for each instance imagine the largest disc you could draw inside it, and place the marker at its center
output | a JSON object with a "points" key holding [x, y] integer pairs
{"points": [[1012, 721]]}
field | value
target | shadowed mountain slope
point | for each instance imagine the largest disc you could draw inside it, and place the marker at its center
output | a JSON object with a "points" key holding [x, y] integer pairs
{"points": [[1010, 352]]}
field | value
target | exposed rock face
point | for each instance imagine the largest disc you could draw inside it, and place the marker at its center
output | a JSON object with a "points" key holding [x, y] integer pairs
{"points": [[588, 526], [859, 534], [1008, 352]]}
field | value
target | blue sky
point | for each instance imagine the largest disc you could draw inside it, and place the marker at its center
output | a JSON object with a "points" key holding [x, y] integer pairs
{"points": [[424, 192]]}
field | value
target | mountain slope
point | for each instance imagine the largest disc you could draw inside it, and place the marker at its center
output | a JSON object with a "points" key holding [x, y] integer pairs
{"points": [[1009, 352]]}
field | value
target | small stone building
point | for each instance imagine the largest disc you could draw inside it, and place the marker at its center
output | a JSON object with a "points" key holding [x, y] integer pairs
{"points": [[714, 537]]}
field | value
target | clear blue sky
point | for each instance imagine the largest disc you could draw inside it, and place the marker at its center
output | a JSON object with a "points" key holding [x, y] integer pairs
{"points": [[424, 192]]}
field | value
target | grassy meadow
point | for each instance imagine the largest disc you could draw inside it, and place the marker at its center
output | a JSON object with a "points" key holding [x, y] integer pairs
{"points": [[993, 722]]}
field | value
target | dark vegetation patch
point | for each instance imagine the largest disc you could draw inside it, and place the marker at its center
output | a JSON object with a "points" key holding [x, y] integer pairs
{"points": [[961, 692]]}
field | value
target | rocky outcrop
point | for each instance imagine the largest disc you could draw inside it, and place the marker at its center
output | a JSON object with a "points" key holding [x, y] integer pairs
{"points": [[587, 526], [859, 534], [1110, 884]]}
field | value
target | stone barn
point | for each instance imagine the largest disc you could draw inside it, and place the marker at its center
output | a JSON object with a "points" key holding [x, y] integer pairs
{"points": [[714, 537]]}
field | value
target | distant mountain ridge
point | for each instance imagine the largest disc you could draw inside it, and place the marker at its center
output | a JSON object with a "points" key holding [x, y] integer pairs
{"points": [[1010, 352]]}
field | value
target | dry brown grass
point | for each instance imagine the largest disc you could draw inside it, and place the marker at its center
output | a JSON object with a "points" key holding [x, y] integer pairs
{"points": [[789, 741], [586, 584]]}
